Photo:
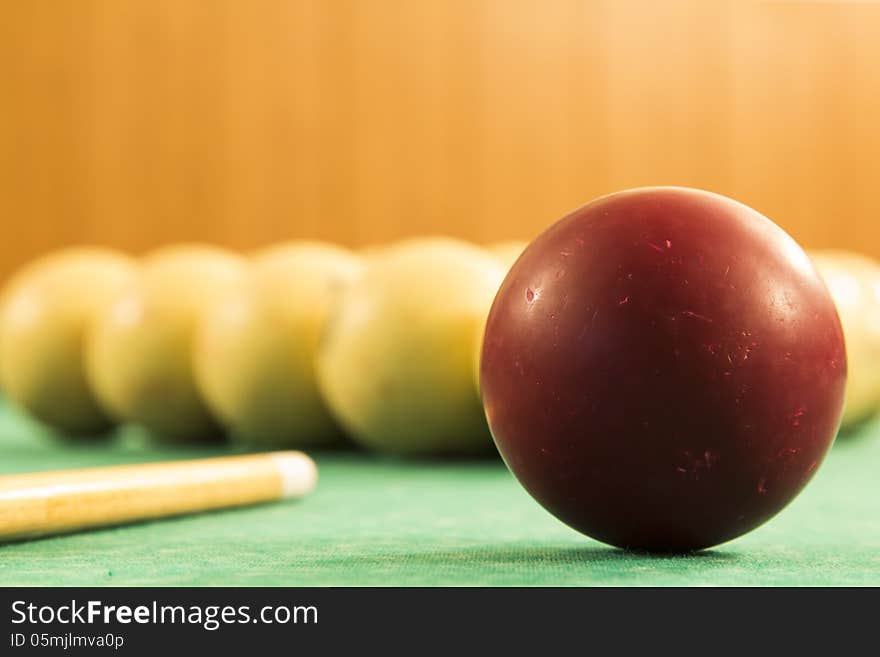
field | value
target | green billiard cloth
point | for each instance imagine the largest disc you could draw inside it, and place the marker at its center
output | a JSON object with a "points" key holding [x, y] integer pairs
{"points": [[381, 521]]}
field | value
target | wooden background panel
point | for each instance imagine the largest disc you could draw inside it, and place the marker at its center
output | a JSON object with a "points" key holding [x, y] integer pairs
{"points": [[138, 122], [804, 128]]}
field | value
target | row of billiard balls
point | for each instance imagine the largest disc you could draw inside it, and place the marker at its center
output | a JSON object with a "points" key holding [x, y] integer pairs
{"points": [[299, 345]]}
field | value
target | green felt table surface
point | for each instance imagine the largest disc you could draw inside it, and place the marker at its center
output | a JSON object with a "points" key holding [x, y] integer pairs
{"points": [[380, 521]]}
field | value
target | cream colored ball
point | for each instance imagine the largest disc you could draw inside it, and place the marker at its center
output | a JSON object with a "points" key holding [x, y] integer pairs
{"points": [[140, 351], [854, 283], [44, 316], [396, 360], [255, 350]]}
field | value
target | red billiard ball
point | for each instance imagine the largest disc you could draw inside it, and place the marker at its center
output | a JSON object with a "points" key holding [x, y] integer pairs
{"points": [[663, 369]]}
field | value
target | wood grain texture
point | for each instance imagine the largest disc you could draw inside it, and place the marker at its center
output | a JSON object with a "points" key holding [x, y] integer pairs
{"points": [[133, 123]]}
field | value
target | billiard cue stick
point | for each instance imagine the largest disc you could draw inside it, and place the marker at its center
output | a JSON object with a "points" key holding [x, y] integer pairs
{"points": [[44, 503]]}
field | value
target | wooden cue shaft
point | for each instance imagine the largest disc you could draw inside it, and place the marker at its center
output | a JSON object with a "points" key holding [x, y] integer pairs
{"points": [[43, 503]]}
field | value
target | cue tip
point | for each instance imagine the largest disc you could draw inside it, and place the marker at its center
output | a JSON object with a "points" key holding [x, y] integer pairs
{"points": [[298, 473]]}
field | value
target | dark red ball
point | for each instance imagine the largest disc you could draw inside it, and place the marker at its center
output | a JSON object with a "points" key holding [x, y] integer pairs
{"points": [[663, 369]]}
